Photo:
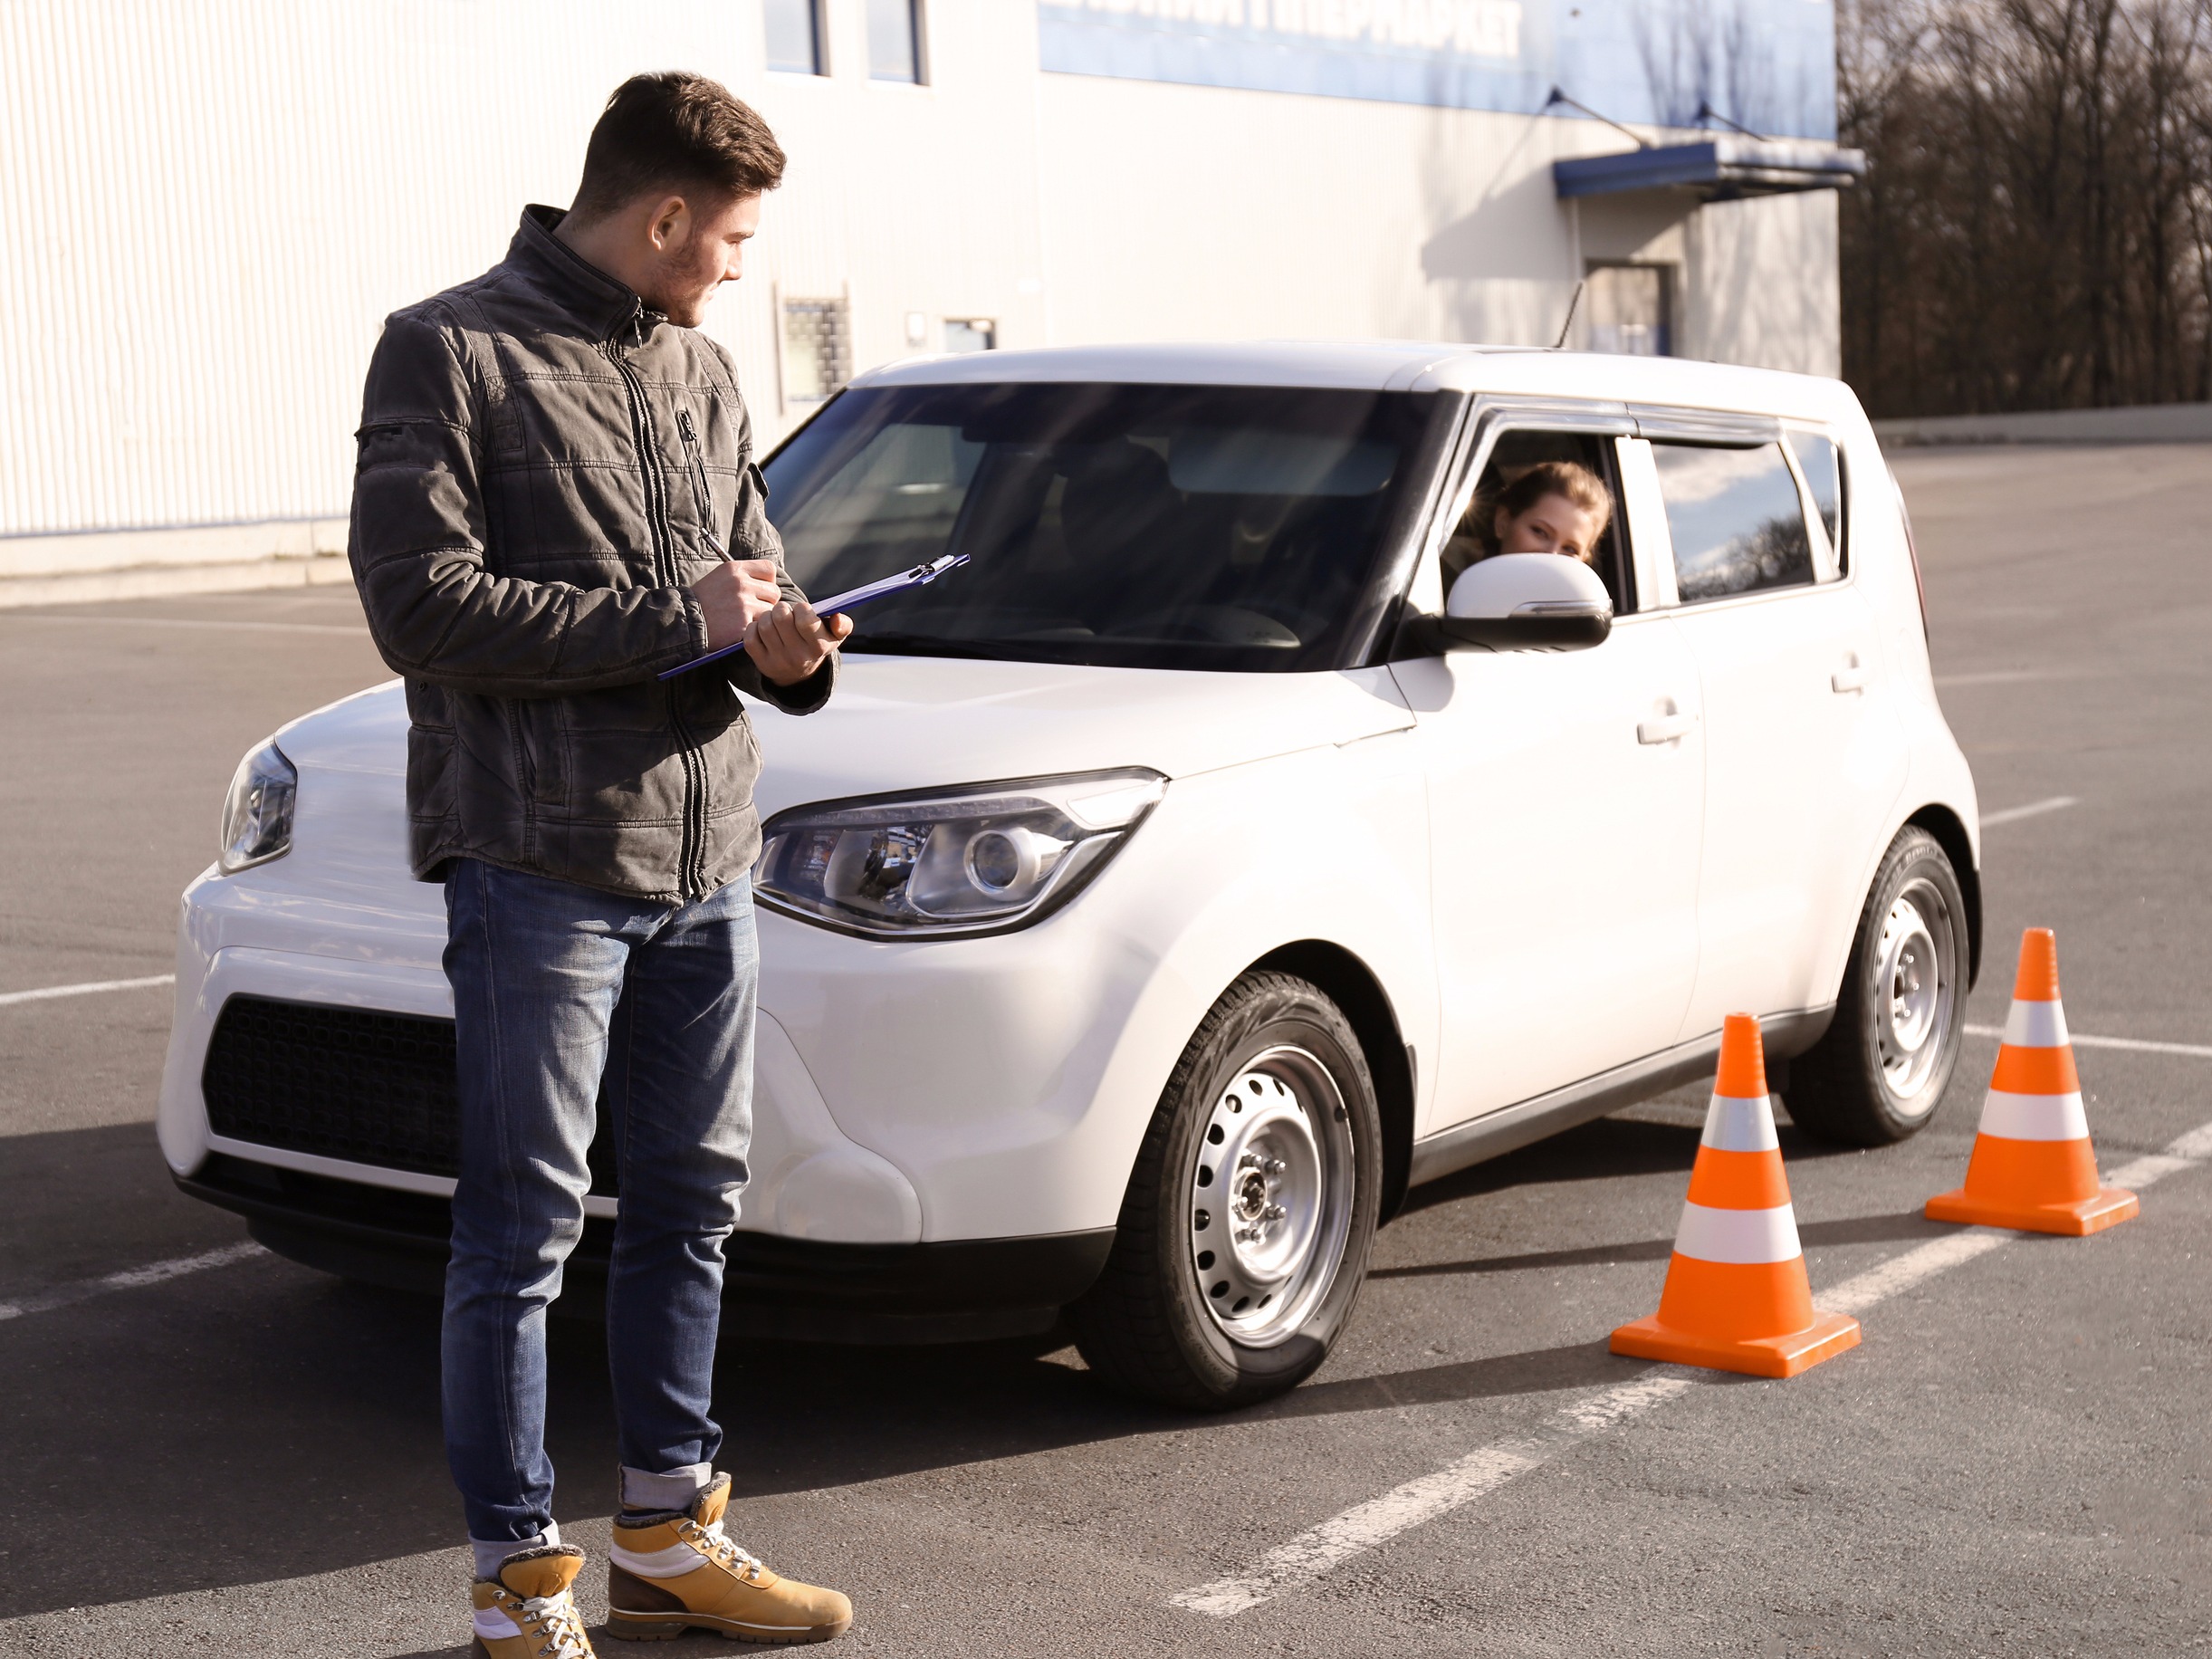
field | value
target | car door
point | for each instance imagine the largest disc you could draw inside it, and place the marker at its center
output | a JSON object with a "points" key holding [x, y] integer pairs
{"points": [[1565, 795], [1803, 758]]}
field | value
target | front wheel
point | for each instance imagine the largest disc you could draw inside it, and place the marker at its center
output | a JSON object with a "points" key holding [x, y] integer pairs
{"points": [[1244, 1235], [1878, 1072]]}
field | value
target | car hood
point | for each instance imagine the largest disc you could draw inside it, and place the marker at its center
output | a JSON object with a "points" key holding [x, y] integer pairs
{"points": [[908, 722]]}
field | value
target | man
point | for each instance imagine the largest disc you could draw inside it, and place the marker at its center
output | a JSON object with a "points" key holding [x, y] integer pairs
{"points": [[555, 501]]}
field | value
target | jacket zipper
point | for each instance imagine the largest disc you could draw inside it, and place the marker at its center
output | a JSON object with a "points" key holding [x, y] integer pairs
{"points": [[691, 857]]}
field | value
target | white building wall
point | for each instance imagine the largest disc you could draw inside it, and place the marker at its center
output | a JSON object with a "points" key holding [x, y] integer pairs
{"points": [[211, 205]]}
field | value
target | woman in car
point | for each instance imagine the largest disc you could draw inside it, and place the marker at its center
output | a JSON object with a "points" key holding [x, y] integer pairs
{"points": [[1552, 507]]}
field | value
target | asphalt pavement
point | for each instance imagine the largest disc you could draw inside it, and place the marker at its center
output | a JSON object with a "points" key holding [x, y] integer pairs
{"points": [[207, 1450]]}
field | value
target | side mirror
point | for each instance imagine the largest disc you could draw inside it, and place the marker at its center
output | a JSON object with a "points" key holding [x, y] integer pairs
{"points": [[1522, 602]]}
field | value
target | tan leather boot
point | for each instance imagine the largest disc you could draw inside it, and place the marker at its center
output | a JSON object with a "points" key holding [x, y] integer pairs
{"points": [[673, 1572], [526, 1611]]}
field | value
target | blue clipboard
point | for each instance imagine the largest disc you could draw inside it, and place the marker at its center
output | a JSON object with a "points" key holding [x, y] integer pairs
{"points": [[921, 576]]}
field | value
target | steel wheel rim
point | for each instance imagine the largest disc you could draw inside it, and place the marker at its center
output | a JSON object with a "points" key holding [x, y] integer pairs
{"points": [[1270, 1196], [1915, 985]]}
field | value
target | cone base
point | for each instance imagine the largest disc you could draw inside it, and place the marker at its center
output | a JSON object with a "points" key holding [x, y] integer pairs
{"points": [[2107, 1207], [1827, 1336]]}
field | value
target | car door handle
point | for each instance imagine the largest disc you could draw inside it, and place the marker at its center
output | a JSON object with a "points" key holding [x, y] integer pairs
{"points": [[1851, 676], [1664, 728]]}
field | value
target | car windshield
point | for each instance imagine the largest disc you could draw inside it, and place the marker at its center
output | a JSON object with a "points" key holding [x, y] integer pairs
{"points": [[1141, 526]]}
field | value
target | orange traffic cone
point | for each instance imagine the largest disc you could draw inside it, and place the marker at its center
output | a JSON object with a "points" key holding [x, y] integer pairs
{"points": [[1737, 1298], [2033, 1167]]}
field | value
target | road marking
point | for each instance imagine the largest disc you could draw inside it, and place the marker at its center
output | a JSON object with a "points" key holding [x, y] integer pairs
{"points": [[1361, 1527], [2140, 1044], [46, 992], [1367, 1526], [2034, 809], [129, 1278], [2006, 676], [259, 627]]}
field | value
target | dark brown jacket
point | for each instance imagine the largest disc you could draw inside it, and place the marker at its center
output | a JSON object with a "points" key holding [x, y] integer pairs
{"points": [[541, 460]]}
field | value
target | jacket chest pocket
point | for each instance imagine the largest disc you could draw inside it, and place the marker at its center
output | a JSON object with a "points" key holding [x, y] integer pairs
{"points": [[503, 413], [713, 526]]}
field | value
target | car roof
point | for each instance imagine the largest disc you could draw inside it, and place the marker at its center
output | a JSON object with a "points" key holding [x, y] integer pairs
{"points": [[1393, 364]]}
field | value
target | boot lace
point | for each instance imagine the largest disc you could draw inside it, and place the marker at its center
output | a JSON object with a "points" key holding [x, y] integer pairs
{"points": [[722, 1550], [555, 1618]]}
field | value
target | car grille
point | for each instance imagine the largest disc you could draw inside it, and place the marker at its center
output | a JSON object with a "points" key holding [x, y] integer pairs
{"points": [[344, 1083]]}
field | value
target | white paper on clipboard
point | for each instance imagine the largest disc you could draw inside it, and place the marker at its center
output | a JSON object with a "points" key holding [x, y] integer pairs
{"points": [[921, 576]]}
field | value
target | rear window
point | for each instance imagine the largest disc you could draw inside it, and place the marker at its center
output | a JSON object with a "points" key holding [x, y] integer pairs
{"points": [[1823, 467], [1736, 520], [1144, 526]]}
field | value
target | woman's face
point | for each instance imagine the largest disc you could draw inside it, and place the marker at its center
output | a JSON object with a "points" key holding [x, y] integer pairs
{"points": [[1552, 524]]}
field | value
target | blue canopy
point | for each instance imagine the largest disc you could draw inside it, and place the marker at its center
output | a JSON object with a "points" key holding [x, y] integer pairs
{"points": [[1720, 169]]}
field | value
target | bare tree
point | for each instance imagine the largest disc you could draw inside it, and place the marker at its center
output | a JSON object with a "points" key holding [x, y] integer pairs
{"points": [[2033, 231]]}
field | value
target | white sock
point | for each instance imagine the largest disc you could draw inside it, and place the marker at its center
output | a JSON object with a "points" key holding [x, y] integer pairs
{"points": [[490, 1553], [676, 1490]]}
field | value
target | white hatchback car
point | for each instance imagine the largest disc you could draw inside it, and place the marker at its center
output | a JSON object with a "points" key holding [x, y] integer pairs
{"points": [[1168, 889]]}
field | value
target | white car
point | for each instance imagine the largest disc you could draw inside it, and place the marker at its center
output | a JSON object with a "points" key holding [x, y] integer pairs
{"points": [[1169, 888]]}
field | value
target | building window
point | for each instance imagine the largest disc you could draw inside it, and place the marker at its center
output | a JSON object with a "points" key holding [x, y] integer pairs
{"points": [[818, 355], [970, 334], [795, 36], [1629, 309], [895, 41]]}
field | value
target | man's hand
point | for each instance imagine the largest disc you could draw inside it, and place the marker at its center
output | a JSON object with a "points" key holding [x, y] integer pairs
{"points": [[732, 595], [787, 642]]}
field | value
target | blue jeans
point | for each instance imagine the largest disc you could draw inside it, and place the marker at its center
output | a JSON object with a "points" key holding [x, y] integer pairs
{"points": [[566, 1000]]}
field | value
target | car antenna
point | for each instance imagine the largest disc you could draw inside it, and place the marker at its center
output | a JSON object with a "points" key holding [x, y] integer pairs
{"points": [[1560, 344]]}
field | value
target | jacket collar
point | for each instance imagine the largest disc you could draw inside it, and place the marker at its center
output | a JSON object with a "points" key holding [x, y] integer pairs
{"points": [[605, 307]]}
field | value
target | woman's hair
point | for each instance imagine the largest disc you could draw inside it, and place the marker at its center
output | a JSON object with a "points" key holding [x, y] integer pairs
{"points": [[1571, 479], [1477, 536]]}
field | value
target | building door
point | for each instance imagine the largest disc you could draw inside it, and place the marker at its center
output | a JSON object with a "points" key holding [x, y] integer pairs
{"points": [[1630, 310]]}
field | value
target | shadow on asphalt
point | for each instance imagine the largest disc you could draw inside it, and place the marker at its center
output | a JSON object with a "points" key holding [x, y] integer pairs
{"points": [[275, 1422], [1858, 1230], [1601, 1150]]}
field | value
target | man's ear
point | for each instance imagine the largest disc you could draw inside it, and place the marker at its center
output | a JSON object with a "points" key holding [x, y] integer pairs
{"points": [[670, 224]]}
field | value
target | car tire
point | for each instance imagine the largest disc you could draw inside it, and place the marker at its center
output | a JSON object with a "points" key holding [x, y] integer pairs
{"points": [[1244, 1235], [1880, 1069]]}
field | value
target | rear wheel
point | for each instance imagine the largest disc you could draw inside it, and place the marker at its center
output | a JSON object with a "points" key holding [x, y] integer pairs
{"points": [[1243, 1239], [1887, 1056]]}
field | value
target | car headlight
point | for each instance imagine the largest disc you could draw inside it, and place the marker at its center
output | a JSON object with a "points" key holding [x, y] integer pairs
{"points": [[257, 812], [979, 860]]}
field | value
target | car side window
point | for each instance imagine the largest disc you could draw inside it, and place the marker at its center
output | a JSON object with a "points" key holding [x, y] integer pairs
{"points": [[1513, 454], [1736, 518], [1823, 466]]}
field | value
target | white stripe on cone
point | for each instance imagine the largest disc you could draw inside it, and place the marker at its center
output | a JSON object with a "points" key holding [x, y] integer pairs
{"points": [[2036, 1117], [2036, 1025], [1735, 1123], [1708, 1234]]}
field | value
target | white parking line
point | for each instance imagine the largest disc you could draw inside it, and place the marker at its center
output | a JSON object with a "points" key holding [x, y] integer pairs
{"points": [[2034, 809], [46, 991], [1316, 1550], [129, 1278], [2140, 1044]]}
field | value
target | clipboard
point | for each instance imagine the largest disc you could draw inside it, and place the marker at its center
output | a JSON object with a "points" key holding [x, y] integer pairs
{"points": [[921, 576]]}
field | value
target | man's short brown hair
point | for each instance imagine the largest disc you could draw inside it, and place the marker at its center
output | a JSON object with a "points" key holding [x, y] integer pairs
{"points": [[671, 132]]}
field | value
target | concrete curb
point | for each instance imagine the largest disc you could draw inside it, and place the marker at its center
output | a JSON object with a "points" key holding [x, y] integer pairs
{"points": [[2160, 422], [164, 581]]}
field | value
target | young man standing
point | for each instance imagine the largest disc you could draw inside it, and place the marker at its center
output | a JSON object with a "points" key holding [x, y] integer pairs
{"points": [[555, 500]]}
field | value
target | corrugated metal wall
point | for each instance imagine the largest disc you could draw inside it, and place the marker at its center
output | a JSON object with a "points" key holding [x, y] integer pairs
{"points": [[208, 207]]}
